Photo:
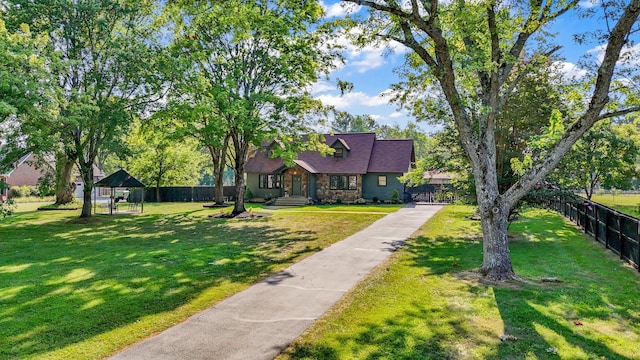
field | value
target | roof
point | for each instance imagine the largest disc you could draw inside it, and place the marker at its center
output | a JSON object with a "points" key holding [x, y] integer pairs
{"points": [[119, 178], [393, 156], [367, 154], [18, 163]]}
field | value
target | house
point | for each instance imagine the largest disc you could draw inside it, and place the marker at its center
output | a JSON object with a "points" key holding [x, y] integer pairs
{"points": [[28, 171], [360, 167], [25, 171]]}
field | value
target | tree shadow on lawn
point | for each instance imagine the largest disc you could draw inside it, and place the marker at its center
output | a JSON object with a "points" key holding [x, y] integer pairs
{"points": [[538, 314], [69, 283]]}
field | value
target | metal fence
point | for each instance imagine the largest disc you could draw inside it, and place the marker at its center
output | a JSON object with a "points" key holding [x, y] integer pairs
{"points": [[618, 232]]}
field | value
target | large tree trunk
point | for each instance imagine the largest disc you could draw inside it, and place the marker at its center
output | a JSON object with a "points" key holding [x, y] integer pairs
{"points": [[87, 177], [496, 262], [239, 208], [218, 157], [241, 151], [218, 178], [64, 185]]}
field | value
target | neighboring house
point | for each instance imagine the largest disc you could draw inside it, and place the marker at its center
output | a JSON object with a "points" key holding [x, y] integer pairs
{"points": [[361, 167], [26, 172], [23, 172]]}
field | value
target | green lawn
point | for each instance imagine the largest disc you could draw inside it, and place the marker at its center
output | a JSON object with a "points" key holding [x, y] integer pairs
{"points": [[427, 302], [628, 203], [73, 289]]}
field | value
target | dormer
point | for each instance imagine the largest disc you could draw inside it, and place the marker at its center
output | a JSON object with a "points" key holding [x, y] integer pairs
{"points": [[341, 148]]}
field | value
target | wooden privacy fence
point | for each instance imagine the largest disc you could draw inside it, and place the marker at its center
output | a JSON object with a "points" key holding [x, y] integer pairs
{"points": [[618, 232]]}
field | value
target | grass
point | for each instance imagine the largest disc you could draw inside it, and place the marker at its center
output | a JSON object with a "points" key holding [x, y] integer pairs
{"points": [[82, 289], [427, 302], [627, 203]]}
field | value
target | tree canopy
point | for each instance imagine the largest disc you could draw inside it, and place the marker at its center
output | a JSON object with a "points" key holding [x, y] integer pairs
{"points": [[475, 54]]}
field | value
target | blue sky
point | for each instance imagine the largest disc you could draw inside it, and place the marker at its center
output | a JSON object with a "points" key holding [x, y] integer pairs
{"points": [[372, 73]]}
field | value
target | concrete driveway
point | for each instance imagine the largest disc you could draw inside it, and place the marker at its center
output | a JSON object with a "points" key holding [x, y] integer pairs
{"points": [[263, 320]]}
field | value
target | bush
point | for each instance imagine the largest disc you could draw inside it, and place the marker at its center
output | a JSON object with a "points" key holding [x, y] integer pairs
{"points": [[375, 199], [248, 194], [24, 191], [6, 208], [395, 197], [338, 201]]}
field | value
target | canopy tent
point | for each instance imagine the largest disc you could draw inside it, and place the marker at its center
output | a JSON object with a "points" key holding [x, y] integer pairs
{"points": [[119, 179]]}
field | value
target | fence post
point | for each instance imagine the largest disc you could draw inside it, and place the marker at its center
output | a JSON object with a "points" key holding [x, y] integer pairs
{"points": [[620, 237], [606, 229], [638, 231], [596, 226]]}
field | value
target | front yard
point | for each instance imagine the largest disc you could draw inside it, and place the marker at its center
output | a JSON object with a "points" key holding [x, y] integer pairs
{"points": [[427, 302], [82, 290]]}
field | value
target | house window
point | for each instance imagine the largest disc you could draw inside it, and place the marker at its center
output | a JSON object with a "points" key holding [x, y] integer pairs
{"points": [[343, 182], [269, 181], [382, 180], [339, 152]]}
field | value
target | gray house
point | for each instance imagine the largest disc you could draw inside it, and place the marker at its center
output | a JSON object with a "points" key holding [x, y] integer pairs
{"points": [[361, 167]]}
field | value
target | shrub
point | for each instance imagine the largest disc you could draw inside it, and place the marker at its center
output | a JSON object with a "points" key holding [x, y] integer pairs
{"points": [[395, 197], [16, 192], [338, 201], [248, 194], [6, 208], [375, 199]]}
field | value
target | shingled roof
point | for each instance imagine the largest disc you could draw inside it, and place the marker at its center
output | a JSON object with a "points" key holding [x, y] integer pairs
{"points": [[119, 178], [366, 154]]}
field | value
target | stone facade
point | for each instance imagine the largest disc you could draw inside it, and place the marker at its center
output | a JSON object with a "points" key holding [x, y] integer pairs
{"points": [[324, 192], [287, 181]]}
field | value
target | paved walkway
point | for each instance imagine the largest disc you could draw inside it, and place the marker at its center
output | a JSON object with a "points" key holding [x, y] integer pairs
{"points": [[263, 320]]}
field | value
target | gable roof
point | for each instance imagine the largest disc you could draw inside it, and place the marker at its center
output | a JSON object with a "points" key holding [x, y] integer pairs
{"points": [[18, 163], [367, 154], [119, 178], [392, 156]]}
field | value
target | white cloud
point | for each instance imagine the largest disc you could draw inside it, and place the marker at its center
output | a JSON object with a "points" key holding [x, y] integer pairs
{"points": [[396, 114], [339, 9], [629, 55], [367, 57], [322, 87], [589, 3], [351, 100], [569, 70]]}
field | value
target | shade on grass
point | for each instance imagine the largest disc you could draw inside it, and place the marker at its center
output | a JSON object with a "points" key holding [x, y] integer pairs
{"points": [[428, 303], [82, 289]]}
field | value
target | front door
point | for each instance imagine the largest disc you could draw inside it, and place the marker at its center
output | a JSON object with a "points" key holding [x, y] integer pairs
{"points": [[296, 185]]}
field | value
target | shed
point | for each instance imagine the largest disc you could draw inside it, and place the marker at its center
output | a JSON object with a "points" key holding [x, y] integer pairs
{"points": [[119, 179]]}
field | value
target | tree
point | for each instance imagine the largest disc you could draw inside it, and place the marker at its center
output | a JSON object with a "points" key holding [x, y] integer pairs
{"points": [[344, 122], [158, 159], [476, 54], [106, 71], [606, 156], [256, 58]]}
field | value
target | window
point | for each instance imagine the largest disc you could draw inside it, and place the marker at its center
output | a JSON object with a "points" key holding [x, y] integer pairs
{"points": [[343, 182], [339, 153], [382, 180], [269, 181]]}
